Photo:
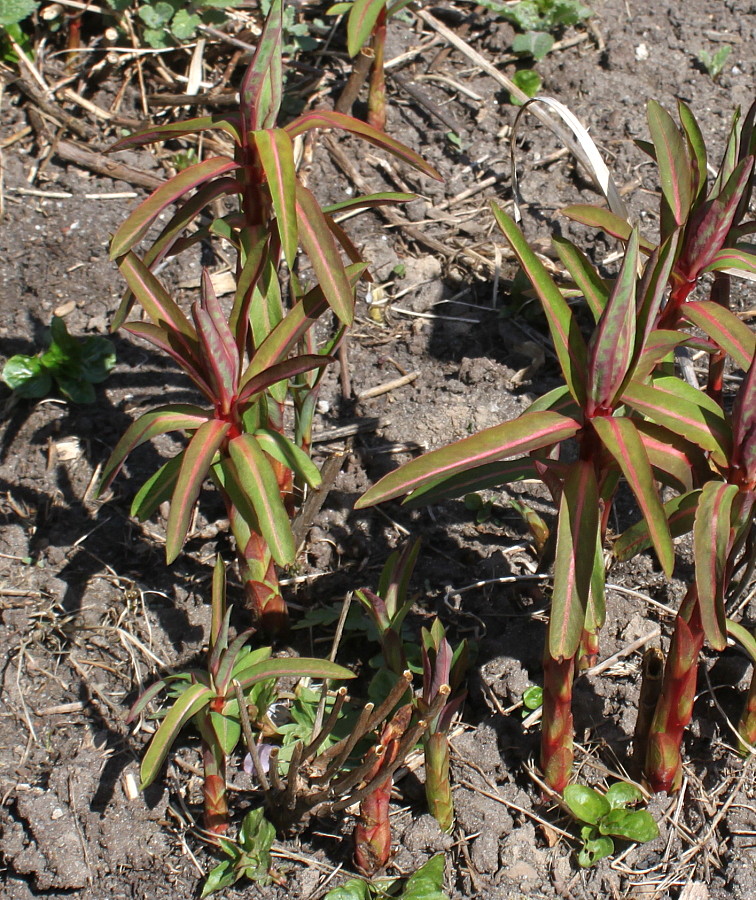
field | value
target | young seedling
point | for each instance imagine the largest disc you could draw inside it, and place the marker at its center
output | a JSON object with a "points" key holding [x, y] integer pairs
{"points": [[247, 857], [605, 817], [72, 364], [208, 699], [427, 883], [241, 360]]}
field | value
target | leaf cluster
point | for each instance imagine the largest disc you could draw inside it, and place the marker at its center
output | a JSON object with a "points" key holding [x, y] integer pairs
{"points": [[425, 884], [72, 364], [606, 816]]}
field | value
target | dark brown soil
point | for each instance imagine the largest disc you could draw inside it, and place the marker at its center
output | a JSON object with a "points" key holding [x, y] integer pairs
{"points": [[89, 613]]}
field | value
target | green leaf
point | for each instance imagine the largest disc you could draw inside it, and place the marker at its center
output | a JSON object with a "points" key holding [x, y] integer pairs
{"points": [[635, 825], [480, 478], [27, 376], [672, 159], [621, 439], [427, 882], [613, 342], [533, 43], [184, 25], [138, 222], [577, 529], [594, 850], [696, 148], [14, 11], [228, 731], [286, 451], [363, 15], [326, 119], [276, 153], [724, 328], [613, 225], [156, 490], [258, 481], [730, 258], [195, 465], [531, 431], [260, 94], [680, 513], [711, 547], [164, 419], [226, 123], [323, 253], [295, 667], [622, 794], [528, 81], [586, 278], [685, 410], [191, 700], [586, 804], [568, 342], [532, 697], [354, 889], [96, 359], [222, 876]]}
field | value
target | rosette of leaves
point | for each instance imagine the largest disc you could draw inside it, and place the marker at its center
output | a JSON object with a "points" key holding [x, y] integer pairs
{"points": [[249, 361], [73, 365], [606, 817]]}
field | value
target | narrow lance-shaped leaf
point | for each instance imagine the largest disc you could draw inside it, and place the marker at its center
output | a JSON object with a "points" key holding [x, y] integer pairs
{"points": [[282, 371], [258, 480], [685, 410], [734, 260], [673, 162], [658, 345], [255, 258], [623, 442], [285, 451], [173, 345], [326, 119], [744, 425], [157, 489], [481, 478], [292, 667], [711, 546], [227, 123], [531, 431], [321, 248], [276, 153], [139, 221], [165, 241], [568, 342], [193, 699], [730, 155], [674, 460], [653, 286], [577, 531], [613, 342], [260, 94], [362, 18], [710, 226], [367, 201], [198, 458], [157, 302], [724, 328], [228, 347], [696, 148], [178, 417], [583, 273], [613, 225], [680, 512]]}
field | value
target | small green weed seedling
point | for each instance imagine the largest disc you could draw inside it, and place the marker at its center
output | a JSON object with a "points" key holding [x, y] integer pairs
{"points": [[168, 23], [12, 14], [532, 699], [606, 816], [425, 884], [248, 856], [714, 63], [72, 364]]}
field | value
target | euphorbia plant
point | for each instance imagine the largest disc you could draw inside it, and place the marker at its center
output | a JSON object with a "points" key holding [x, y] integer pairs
{"points": [[208, 698], [241, 360]]}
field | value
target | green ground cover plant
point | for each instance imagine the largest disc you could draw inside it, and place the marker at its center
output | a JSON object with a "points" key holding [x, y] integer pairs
{"points": [[73, 365]]}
